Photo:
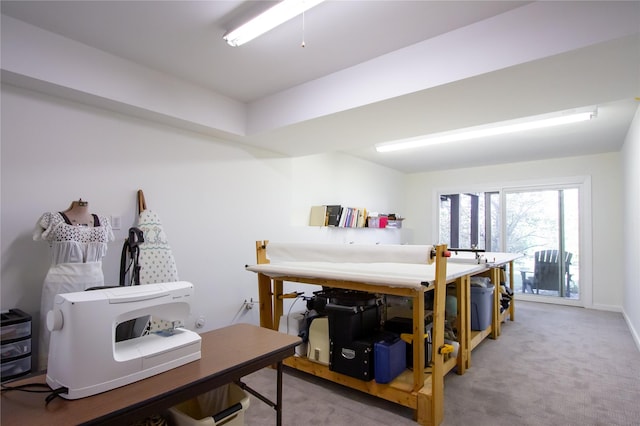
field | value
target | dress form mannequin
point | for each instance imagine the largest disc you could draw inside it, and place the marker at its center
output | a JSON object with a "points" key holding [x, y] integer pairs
{"points": [[78, 213], [78, 241]]}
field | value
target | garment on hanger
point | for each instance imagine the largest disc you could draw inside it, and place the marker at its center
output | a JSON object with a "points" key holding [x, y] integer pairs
{"points": [[76, 261]]}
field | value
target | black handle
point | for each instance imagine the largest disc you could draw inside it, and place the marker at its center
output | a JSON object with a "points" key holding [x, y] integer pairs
{"points": [[342, 308], [227, 412]]}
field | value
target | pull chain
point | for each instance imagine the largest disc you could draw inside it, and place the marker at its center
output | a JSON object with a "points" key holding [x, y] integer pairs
{"points": [[303, 44]]}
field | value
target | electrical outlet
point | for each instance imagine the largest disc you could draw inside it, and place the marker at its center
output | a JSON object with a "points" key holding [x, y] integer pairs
{"points": [[249, 304], [116, 222], [200, 322]]}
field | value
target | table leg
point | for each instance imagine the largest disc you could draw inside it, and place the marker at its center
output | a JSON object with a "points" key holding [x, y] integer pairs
{"points": [[279, 394], [278, 404]]}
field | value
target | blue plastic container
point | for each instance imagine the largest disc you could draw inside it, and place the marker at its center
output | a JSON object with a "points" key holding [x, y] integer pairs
{"points": [[481, 307], [389, 360]]}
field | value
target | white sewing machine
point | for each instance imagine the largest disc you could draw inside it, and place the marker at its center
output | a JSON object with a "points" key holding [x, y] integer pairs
{"points": [[86, 357]]}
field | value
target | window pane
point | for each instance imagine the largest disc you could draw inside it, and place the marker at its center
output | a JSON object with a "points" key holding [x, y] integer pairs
{"points": [[532, 221], [543, 225], [445, 220], [467, 220], [492, 208]]}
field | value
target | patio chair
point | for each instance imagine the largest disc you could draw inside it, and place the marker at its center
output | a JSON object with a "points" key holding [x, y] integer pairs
{"points": [[546, 272]]}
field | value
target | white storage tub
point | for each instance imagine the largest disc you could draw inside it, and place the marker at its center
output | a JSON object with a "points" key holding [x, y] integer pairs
{"points": [[222, 406]]}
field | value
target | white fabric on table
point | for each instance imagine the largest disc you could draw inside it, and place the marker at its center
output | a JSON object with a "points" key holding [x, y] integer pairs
{"points": [[390, 265], [489, 258], [353, 253], [407, 275]]}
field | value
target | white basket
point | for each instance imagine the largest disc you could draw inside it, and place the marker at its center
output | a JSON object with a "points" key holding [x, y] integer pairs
{"points": [[222, 406]]}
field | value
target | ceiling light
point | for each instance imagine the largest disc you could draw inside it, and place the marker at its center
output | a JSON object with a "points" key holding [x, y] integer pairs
{"points": [[495, 129], [271, 18]]}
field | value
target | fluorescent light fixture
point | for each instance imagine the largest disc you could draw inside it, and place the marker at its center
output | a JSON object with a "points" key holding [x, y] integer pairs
{"points": [[271, 18], [495, 129]]}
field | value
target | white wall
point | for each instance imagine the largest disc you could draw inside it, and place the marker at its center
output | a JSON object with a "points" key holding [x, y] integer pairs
{"points": [[340, 179], [631, 225], [215, 200], [606, 198]]}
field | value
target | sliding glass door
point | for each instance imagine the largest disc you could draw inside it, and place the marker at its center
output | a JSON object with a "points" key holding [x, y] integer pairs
{"points": [[543, 225], [541, 222]]}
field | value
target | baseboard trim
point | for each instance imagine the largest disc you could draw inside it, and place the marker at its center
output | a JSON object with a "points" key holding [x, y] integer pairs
{"points": [[611, 308], [634, 332]]}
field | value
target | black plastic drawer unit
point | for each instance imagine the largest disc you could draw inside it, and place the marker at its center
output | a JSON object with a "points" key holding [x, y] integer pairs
{"points": [[15, 344]]}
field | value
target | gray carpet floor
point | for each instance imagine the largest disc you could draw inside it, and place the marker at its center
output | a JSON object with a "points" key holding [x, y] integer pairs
{"points": [[554, 365]]}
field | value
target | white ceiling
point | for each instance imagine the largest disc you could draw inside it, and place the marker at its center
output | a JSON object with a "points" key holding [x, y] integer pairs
{"points": [[374, 71]]}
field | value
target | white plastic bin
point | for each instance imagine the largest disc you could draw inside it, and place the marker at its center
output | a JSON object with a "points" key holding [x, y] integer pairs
{"points": [[222, 406]]}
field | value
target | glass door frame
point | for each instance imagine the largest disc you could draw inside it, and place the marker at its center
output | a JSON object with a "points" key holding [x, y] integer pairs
{"points": [[583, 184]]}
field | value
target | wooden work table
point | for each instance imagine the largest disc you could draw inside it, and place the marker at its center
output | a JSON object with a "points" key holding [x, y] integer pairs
{"points": [[228, 354], [422, 391], [417, 388]]}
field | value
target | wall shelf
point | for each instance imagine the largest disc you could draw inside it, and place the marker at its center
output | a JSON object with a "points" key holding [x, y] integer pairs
{"points": [[337, 216]]}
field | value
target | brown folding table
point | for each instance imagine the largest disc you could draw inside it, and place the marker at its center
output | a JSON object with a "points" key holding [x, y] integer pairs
{"points": [[228, 354]]}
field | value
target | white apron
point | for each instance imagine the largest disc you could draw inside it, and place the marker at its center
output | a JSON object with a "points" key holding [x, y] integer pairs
{"points": [[76, 263], [64, 278]]}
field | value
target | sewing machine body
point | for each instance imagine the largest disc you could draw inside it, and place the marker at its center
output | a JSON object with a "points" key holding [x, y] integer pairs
{"points": [[84, 354]]}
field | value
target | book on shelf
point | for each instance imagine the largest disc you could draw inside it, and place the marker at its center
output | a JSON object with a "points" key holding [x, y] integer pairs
{"points": [[362, 218], [352, 217], [325, 215], [343, 217], [333, 213], [318, 216]]}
